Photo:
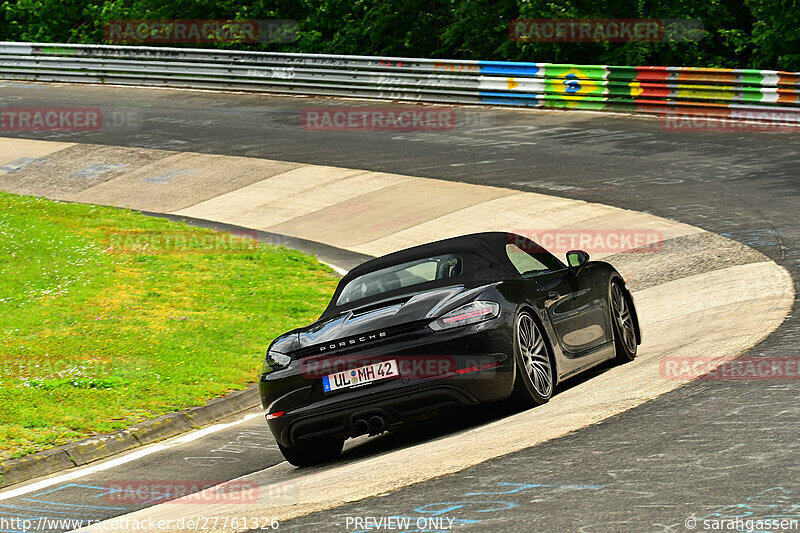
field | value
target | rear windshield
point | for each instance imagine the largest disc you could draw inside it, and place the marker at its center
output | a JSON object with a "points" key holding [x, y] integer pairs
{"points": [[403, 275]]}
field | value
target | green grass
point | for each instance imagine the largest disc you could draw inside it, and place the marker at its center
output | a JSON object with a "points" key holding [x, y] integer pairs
{"points": [[109, 317]]}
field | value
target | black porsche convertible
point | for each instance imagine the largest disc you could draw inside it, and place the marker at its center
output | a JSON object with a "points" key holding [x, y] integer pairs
{"points": [[453, 323]]}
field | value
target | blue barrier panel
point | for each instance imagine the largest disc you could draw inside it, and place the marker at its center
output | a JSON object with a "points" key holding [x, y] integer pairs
{"points": [[509, 68]]}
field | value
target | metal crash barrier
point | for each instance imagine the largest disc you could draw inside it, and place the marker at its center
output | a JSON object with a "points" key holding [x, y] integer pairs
{"points": [[762, 95]]}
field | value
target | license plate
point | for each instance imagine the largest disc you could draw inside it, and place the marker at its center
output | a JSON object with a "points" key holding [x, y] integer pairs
{"points": [[360, 376]]}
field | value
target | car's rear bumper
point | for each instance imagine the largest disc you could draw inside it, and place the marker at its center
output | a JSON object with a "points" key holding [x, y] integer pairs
{"points": [[465, 366], [394, 407]]}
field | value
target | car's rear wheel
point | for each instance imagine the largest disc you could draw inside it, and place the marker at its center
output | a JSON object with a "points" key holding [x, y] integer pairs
{"points": [[313, 452], [625, 340], [535, 372]]}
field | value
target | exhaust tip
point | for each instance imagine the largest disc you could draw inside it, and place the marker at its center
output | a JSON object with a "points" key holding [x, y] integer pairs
{"points": [[377, 423], [361, 425]]}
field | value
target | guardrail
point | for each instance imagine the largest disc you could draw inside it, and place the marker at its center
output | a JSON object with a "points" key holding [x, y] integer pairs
{"points": [[735, 93]]}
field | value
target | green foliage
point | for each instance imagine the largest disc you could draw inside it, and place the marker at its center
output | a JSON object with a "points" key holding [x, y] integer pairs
{"points": [[775, 34], [748, 34]]}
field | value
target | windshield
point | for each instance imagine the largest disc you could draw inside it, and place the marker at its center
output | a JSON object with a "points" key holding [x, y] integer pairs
{"points": [[400, 276]]}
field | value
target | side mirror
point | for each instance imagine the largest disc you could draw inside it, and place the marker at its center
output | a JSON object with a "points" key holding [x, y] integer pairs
{"points": [[576, 259]]}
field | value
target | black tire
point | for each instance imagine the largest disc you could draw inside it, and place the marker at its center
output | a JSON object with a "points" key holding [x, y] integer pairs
{"points": [[622, 316], [535, 376], [314, 452]]}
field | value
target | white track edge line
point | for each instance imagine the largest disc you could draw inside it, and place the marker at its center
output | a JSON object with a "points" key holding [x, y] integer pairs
{"points": [[113, 463]]}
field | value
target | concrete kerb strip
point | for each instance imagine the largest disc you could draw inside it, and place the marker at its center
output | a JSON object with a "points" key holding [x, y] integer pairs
{"points": [[15, 154], [35, 465], [103, 446], [338, 259]]}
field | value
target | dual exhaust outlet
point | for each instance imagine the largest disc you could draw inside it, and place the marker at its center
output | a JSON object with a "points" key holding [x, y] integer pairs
{"points": [[372, 425]]}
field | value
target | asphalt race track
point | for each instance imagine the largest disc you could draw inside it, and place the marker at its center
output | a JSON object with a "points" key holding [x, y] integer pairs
{"points": [[712, 449]]}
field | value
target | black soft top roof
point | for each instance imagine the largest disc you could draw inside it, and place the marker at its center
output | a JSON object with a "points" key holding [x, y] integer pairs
{"points": [[488, 244], [487, 260]]}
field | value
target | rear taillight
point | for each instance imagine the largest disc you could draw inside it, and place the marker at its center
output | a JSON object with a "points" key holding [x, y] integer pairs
{"points": [[276, 414], [471, 313], [275, 361]]}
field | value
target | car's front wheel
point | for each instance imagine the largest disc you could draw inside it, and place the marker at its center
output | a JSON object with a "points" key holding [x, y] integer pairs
{"points": [[313, 452], [534, 380]]}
